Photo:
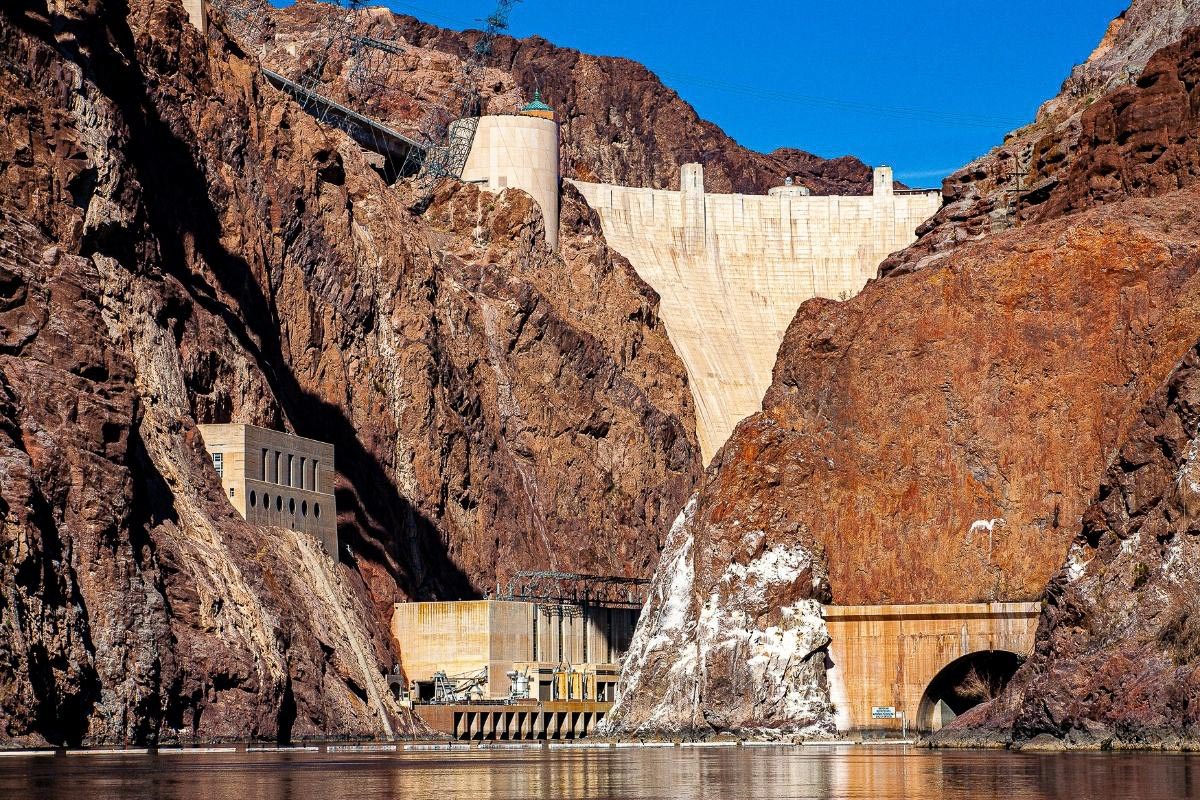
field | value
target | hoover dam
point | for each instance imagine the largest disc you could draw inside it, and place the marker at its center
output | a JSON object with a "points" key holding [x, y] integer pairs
{"points": [[732, 269]]}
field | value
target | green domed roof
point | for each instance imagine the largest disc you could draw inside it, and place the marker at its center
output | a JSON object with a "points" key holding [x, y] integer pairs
{"points": [[537, 104]]}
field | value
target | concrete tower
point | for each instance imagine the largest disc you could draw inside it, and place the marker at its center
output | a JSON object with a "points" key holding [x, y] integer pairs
{"points": [[519, 151], [195, 10]]}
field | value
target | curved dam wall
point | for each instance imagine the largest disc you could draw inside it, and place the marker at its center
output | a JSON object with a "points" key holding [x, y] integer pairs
{"points": [[732, 270]]}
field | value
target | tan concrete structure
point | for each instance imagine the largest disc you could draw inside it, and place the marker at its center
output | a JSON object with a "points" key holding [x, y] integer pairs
{"points": [[196, 13], [275, 478], [732, 270], [529, 721], [518, 151], [569, 652], [888, 656]]}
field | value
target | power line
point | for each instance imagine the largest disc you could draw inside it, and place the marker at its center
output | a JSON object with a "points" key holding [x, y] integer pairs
{"points": [[897, 112]]}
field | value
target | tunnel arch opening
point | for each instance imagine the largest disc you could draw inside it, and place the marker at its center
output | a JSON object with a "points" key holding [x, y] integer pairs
{"points": [[965, 683]]}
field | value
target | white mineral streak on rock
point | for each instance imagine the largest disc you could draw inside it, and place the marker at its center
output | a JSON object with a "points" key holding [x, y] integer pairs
{"points": [[715, 667], [662, 638]]}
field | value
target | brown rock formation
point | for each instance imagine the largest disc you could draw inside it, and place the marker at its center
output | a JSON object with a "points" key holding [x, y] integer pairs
{"points": [[179, 244], [1035, 175], [619, 123], [1117, 659], [993, 381]]}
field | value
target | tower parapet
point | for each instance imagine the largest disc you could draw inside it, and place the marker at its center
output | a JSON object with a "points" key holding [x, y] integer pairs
{"points": [[519, 151]]}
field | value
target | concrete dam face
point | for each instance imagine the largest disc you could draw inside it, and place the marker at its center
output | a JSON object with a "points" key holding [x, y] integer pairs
{"points": [[732, 270]]}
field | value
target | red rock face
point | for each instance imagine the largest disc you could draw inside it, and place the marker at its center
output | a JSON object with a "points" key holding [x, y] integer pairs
{"points": [[180, 245], [1117, 659], [993, 380]]}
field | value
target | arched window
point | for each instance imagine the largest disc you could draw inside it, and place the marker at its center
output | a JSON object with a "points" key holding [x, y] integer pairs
{"points": [[292, 506], [266, 501], [304, 508], [317, 510], [279, 502], [253, 498]]}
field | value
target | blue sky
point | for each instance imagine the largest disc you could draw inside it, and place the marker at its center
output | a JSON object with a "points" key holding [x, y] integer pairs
{"points": [[923, 85]]}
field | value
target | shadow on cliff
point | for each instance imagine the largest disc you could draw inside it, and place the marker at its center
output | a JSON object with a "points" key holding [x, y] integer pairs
{"points": [[176, 204]]}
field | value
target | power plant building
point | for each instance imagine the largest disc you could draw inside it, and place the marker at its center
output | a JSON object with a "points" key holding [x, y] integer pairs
{"points": [[276, 479], [518, 649]]}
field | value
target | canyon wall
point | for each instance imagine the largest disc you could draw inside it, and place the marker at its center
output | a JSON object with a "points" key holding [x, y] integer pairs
{"points": [[181, 245], [1117, 658], [732, 269], [990, 382]]}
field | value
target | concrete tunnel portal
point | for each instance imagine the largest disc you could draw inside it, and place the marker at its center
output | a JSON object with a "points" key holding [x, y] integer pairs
{"points": [[964, 683]]}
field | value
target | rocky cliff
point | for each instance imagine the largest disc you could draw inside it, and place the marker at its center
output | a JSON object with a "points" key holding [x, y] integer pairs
{"points": [[180, 244], [619, 123], [1026, 179], [939, 436], [1117, 658]]}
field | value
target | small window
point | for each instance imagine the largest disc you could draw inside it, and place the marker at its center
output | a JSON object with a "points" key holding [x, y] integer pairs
{"points": [[219, 463], [315, 487], [288, 479], [317, 510], [303, 483], [279, 502], [265, 455], [278, 468], [266, 501], [304, 508], [292, 506], [253, 498], [231, 491]]}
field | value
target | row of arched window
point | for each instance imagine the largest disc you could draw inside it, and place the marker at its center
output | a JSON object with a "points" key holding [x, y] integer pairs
{"points": [[265, 501], [286, 469]]}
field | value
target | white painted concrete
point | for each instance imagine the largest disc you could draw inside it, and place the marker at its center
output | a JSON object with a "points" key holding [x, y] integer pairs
{"points": [[732, 270], [518, 151], [195, 12]]}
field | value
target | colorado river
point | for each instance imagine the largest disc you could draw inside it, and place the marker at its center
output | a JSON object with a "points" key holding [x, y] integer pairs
{"points": [[757, 773]]}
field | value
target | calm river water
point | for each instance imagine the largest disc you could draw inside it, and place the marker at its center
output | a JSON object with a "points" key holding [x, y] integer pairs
{"points": [[755, 773]]}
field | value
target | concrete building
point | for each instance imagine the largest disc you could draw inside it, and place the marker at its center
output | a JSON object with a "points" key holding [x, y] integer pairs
{"points": [[732, 269], [276, 479], [519, 151], [566, 651], [918, 666]]}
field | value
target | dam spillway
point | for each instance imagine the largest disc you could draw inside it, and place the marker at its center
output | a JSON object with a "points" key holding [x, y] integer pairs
{"points": [[732, 269]]}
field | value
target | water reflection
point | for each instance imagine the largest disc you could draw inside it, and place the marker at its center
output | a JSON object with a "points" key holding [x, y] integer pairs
{"points": [[879, 773]]}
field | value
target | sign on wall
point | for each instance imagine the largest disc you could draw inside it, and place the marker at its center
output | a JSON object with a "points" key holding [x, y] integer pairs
{"points": [[883, 712]]}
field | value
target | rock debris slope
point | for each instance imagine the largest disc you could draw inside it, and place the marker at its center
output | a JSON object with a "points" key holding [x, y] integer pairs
{"points": [[179, 244], [995, 381]]}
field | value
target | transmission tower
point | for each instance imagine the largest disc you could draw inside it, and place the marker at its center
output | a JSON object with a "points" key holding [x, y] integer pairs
{"points": [[338, 45], [448, 137]]}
